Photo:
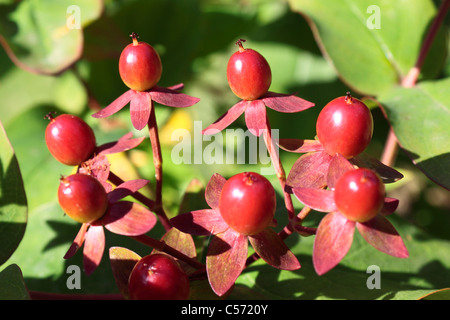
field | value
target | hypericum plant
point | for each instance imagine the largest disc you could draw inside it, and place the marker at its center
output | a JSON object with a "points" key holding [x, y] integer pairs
{"points": [[242, 208], [354, 198]]}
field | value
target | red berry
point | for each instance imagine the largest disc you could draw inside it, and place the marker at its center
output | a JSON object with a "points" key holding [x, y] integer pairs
{"points": [[248, 73], [69, 139], [359, 194], [140, 65], [82, 197], [247, 203], [158, 277], [345, 126]]}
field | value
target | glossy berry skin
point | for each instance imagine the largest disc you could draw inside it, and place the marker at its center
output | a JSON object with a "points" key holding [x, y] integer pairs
{"points": [[158, 277], [359, 194], [345, 126], [69, 139], [82, 197], [247, 203], [248, 74], [140, 65]]}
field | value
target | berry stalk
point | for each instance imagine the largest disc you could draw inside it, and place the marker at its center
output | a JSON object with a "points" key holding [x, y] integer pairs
{"points": [[391, 147], [157, 162], [281, 175]]}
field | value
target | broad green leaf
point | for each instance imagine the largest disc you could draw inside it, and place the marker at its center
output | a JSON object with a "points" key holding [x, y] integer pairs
{"points": [[13, 202], [443, 294], [420, 118], [12, 286], [46, 36], [372, 43]]}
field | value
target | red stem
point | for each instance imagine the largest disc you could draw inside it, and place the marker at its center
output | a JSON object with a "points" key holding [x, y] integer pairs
{"points": [[391, 146], [281, 175], [157, 162]]}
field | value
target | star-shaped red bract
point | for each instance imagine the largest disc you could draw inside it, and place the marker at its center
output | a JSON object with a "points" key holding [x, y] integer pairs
{"points": [[141, 103], [122, 217], [311, 169], [335, 232], [228, 245], [255, 112]]}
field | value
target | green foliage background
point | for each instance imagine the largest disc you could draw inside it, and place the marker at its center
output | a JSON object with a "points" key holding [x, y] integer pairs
{"points": [[195, 40]]}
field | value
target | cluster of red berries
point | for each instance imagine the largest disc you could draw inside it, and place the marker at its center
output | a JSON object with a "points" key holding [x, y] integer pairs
{"points": [[247, 201]]}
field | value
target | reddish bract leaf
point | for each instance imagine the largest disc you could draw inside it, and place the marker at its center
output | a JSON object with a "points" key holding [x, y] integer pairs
{"points": [[386, 173], [94, 246], [122, 263], [213, 190], [140, 109], [287, 103], [225, 260], [255, 117], [338, 166], [300, 145], [128, 219], [269, 246], [309, 171], [227, 118], [381, 234], [390, 205], [125, 189], [172, 98], [184, 243], [201, 222], [317, 199], [123, 144], [116, 105], [77, 242], [333, 239]]}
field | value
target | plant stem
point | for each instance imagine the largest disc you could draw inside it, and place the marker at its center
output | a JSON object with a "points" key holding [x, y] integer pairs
{"points": [[157, 162], [162, 246], [281, 175], [409, 81]]}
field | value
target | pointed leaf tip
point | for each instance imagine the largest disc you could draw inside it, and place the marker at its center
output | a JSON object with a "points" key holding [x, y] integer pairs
{"points": [[269, 246], [116, 105], [287, 103], [140, 109], [333, 239], [225, 260]]}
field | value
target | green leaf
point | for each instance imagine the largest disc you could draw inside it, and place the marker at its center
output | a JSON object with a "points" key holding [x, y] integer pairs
{"points": [[13, 202], [372, 43], [12, 286], [420, 117], [46, 36]]}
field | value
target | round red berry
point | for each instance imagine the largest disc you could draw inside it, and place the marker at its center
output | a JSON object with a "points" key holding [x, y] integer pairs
{"points": [[248, 73], [158, 277], [82, 197], [345, 126], [359, 194], [247, 203], [140, 65], [69, 139]]}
